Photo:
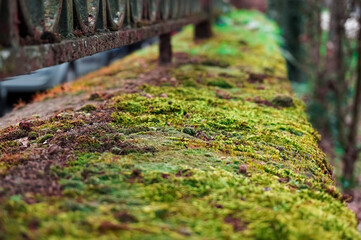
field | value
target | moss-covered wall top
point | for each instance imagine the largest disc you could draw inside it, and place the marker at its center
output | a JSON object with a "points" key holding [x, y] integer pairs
{"points": [[214, 146]]}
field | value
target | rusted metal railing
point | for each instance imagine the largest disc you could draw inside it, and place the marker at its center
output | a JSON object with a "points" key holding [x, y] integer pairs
{"points": [[41, 33]]}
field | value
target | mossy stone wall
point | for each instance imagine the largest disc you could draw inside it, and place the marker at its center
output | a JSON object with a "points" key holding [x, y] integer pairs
{"points": [[214, 146]]}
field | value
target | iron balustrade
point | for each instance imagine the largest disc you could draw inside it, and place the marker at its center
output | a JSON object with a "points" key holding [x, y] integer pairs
{"points": [[42, 33]]}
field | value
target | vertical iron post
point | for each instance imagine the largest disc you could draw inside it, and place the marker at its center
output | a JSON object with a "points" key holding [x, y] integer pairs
{"points": [[66, 22], [203, 30], [165, 49]]}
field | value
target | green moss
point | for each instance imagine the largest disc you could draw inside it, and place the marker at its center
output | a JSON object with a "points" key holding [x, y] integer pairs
{"points": [[116, 150], [124, 119], [33, 135], [220, 83], [213, 63], [44, 138], [8, 146], [88, 108], [86, 143], [283, 101], [189, 131]]}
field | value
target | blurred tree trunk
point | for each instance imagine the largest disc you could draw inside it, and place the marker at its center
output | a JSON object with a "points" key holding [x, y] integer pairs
{"points": [[352, 150], [316, 66], [337, 38], [289, 15]]}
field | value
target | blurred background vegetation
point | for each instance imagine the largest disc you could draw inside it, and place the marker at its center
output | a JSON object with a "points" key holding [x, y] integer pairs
{"points": [[321, 42]]}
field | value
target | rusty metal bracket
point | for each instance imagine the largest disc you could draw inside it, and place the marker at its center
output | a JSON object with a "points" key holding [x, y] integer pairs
{"points": [[41, 33]]}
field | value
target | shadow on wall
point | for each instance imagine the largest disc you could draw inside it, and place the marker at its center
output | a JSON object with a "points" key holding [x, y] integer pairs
{"points": [[260, 5]]}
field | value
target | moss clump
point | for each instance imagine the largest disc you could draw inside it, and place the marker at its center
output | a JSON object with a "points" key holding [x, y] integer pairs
{"points": [[88, 108], [124, 119], [9, 145], [189, 131], [86, 143], [283, 101], [215, 63], [44, 138], [220, 83], [116, 150], [33, 135], [176, 157], [95, 97]]}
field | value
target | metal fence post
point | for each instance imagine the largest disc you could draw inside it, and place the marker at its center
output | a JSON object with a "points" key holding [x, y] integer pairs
{"points": [[165, 49]]}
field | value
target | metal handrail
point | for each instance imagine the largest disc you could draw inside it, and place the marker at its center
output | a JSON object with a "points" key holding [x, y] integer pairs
{"points": [[41, 33]]}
